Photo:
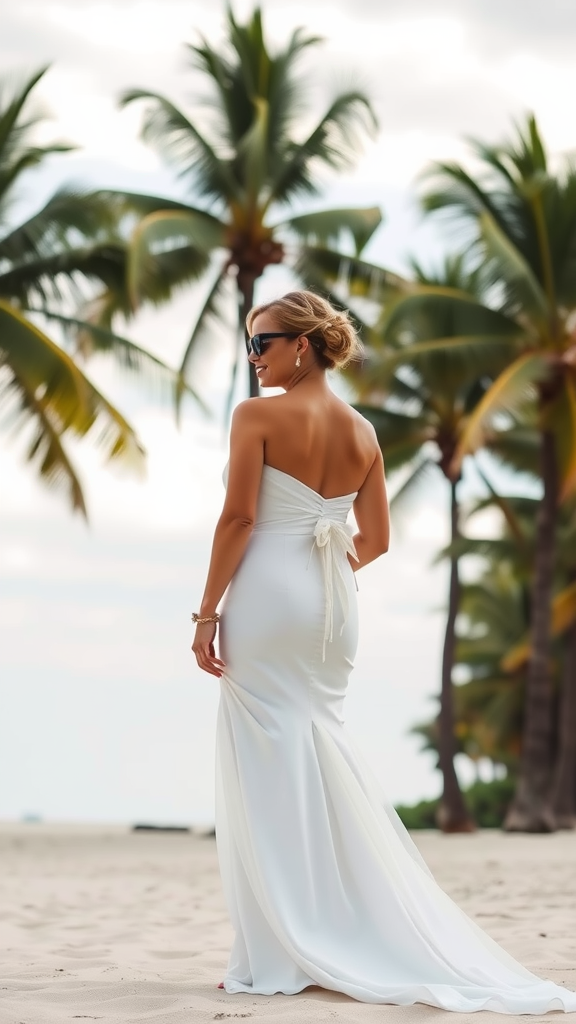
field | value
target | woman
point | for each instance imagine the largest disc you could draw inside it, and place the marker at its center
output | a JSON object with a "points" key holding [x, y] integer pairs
{"points": [[323, 883]]}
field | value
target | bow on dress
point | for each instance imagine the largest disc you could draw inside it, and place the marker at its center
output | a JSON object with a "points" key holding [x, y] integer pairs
{"points": [[334, 543]]}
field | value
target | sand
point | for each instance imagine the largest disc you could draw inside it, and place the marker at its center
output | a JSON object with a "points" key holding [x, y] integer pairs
{"points": [[100, 923]]}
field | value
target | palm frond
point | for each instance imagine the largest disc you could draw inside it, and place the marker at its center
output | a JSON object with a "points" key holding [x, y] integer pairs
{"points": [[42, 278], [287, 90], [91, 337], [16, 154], [454, 273], [23, 161], [450, 188], [169, 247], [49, 386], [34, 357], [404, 496], [140, 204], [114, 435], [491, 548], [334, 142], [12, 110], [401, 437], [46, 448], [518, 449], [513, 386], [506, 508], [67, 216], [559, 213], [326, 227], [334, 270], [447, 364], [429, 312], [563, 616], [230, 107], [253, 153], [509, 266], [209, 313], [170, 131], [246, 71]]}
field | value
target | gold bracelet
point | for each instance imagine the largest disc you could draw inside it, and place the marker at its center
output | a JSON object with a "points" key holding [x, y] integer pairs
{"points": [[206, 618]]}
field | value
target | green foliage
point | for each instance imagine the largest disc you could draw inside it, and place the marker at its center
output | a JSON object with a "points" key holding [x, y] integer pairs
{"points": [[420, 815], [533, 209], [42, 387], [326, 227], [431, 359], [50, 265], [241, 152], [487, 802], [493, 643], [501, 319], [481, 354], [522, 221]]}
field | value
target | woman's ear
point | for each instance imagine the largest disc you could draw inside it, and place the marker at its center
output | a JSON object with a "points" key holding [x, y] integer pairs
{"points": [[302, 344]]}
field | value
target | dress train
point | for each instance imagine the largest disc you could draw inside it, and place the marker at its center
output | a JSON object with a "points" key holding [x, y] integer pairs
{"points": [[323, 883]]}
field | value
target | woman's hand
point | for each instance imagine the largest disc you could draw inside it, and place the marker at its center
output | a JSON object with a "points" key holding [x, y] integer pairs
{"points": [[203, 648]]}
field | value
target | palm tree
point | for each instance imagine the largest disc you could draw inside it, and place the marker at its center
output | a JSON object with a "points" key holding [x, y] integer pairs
{"points": [[496, 639], [563, 649], [419, 398], [564, 780], [242, 154], [49, 265], [493, 616], [521, 222]]}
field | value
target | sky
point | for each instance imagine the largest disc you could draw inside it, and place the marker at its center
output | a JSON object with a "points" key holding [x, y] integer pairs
{"points": [[105, 717]]}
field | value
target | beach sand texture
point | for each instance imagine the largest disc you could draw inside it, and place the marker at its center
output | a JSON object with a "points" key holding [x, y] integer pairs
{"points": [[100, 923]]}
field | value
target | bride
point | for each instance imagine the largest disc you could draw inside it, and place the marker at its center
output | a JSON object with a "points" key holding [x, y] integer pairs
{"points": [[324, 885]]}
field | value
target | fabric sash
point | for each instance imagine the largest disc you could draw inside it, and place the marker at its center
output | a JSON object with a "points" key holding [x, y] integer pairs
{"points": [[334, 543]]}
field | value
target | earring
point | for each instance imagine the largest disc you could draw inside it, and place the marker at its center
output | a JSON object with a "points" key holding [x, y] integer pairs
{"points": [[298, 360]]}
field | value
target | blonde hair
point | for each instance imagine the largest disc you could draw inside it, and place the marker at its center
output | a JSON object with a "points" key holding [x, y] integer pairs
{"points": [[330, 331]]}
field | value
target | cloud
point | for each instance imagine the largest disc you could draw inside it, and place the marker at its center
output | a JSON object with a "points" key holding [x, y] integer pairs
{"points": [[494, 24], [436, 74]]}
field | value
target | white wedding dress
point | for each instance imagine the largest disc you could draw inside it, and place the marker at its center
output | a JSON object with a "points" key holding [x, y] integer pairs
{"points": [[323, 883]]}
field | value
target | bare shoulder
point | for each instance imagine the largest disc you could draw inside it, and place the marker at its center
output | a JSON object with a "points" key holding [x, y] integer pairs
{"points": [[246, 410], [248, 417], [364, 427], [250, 412], [258, 407], [361, 420]]}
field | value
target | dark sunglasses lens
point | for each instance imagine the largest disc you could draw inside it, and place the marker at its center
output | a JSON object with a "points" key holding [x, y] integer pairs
{"points": [[256, 345]]}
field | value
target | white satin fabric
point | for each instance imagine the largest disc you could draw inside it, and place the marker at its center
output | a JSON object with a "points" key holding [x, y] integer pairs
{"points": [[323, 883]]}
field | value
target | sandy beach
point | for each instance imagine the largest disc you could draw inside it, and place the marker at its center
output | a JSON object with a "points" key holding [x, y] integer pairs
{"points": [[101, 923]]}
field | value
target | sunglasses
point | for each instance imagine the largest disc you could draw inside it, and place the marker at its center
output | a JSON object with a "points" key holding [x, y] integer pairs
{"points": [[259, 343]]}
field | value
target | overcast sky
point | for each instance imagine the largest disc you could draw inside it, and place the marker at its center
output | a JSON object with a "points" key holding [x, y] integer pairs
{"points": [[104, 716]]}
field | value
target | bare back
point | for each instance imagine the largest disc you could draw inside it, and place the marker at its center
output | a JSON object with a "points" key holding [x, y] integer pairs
{"points": [[314, 437], [318, 439]]}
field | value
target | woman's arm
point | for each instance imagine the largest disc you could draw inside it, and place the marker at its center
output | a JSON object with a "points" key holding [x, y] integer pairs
{"points": [[235, 523], [372, 516]]}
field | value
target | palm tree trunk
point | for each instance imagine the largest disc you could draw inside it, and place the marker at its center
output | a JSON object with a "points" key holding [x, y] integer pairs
{"points": [[452, 814], [246, 281], [564, 784], [531, 809]]}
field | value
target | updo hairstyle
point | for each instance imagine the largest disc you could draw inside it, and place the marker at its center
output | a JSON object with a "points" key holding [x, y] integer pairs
{"points": [[329, 331]]}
